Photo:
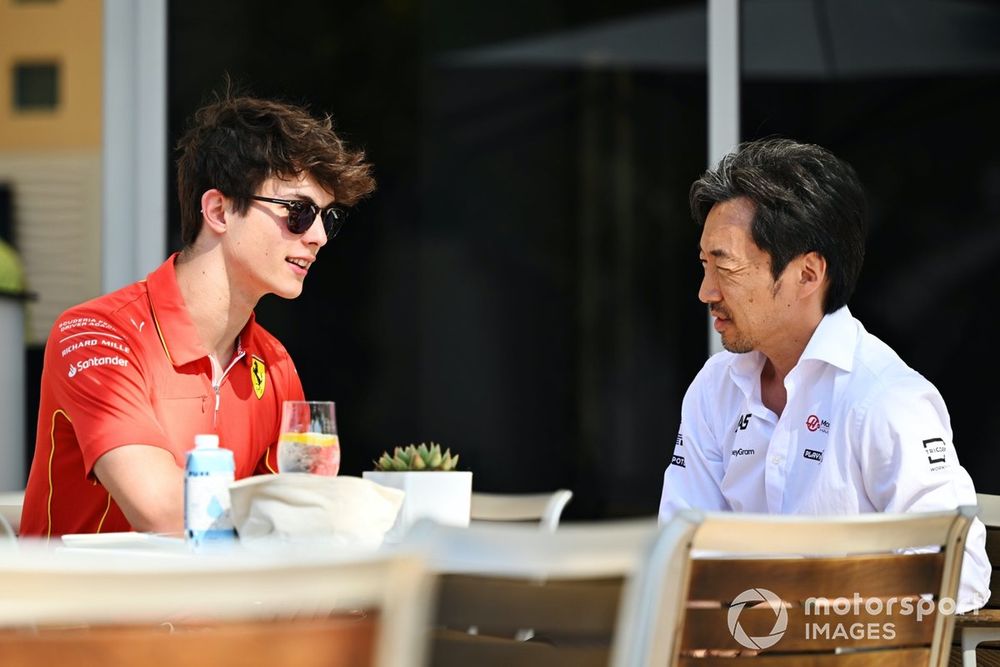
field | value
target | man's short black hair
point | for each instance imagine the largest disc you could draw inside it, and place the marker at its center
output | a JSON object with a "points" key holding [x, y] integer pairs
{"points": [[805, 199]]}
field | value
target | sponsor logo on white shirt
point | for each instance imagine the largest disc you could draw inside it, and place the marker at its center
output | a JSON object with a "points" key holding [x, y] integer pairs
{"points": [[677, 461], [814, 423], [935, 449], [743, 452], [743, 422], [813, 455]]}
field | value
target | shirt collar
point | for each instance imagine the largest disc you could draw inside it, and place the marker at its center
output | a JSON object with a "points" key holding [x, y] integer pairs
{"points": [[834, 340], [177, 332], [745, 371]]}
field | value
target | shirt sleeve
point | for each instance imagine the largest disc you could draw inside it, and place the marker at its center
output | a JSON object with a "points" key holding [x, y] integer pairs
{"points": [[909, 464], [693, 477], [91, 370], [291, 391]]}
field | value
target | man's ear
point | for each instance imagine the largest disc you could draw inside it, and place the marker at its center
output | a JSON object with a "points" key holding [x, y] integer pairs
{"points": [[811, 273], [213, 210]]}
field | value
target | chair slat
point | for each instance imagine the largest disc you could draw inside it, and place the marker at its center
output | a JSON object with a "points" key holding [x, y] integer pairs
{"points": [[872, 576], [457, 649], [797, 534], [983, 618], [709, 629], [915, 657], [501, 605], [336, 642]]}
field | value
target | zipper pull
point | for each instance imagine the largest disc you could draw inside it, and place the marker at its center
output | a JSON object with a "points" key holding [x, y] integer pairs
{"points": [[218, 398]]}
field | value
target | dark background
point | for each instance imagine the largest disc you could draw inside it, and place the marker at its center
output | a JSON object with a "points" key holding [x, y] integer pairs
{"points": [[488, 295], [522, 286]]}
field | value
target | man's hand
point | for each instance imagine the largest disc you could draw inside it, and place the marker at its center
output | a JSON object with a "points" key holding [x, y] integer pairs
{"points": [[147, 484]]}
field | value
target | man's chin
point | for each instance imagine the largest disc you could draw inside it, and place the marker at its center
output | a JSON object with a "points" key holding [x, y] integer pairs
{"points": [[736, 346], [289, 292]]}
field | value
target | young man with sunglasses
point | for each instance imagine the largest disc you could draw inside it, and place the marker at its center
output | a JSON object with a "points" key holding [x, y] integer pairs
{"points": [[131, 377]]}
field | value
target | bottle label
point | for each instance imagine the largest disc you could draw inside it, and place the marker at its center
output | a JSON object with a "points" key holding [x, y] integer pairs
{"points": [[207, 509]]}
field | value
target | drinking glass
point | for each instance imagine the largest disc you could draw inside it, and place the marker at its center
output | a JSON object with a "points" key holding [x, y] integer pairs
{"points": [[308, 441]]}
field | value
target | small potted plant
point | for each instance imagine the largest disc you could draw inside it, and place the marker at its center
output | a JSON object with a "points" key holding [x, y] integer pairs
{"points": [[433, 488]]}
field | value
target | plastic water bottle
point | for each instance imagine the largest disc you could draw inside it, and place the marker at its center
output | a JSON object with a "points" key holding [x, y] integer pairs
{"points": [[209, 471]]}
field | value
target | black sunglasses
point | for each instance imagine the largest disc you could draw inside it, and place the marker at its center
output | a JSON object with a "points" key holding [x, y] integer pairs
{"points": [[302, 214]]}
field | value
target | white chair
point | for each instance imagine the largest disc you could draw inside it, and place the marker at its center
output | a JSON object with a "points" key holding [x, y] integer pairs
{"points": [[681, 611], [984, 625], [546, 508], [500, 580], [83, 608], [7, 534], [10, 508]]}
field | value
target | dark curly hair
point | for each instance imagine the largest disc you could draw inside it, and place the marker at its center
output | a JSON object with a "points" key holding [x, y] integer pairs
{"points": [[805, 199], [236, 143]]}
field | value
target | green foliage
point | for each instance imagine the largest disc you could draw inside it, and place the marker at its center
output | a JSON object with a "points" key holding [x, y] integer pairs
{"points": [[417, 457]]}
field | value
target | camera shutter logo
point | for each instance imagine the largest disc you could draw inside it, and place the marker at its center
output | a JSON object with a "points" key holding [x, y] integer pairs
{"points": [[757, 595]]}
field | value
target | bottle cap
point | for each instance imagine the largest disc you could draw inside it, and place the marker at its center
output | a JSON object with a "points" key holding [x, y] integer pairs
{"points": [[206, 441]]}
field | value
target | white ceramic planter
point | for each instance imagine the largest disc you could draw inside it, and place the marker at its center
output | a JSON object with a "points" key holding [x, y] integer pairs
{"points": [[444, 497]]}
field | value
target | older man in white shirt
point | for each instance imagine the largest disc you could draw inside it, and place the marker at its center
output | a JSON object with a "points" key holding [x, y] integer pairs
{"points": [[805, 412]]}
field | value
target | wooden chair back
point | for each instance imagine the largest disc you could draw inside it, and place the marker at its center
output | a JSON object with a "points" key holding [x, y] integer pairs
{"points": [[791, 590], [989, 514], [511, 595], [983, 625], [329, 642], [243, 609]]}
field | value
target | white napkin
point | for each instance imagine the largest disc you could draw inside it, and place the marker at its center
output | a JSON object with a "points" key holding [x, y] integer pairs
{"points": [[345, 511]]}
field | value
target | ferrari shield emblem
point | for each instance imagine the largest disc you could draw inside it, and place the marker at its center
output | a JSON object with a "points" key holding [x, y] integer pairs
{"points": [[257, 376]]}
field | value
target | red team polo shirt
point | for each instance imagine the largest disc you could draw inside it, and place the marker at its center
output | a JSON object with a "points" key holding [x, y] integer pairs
{"points": [[129, 368]]}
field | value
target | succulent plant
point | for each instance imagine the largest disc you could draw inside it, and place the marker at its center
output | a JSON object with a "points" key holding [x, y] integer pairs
{"points": [[417, 457]]}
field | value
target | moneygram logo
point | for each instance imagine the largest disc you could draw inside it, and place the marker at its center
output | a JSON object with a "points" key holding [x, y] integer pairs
{"points": [[754, 597]]}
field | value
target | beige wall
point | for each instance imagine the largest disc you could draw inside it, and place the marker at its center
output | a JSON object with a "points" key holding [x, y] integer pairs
{"points": [[57, 197], [53, 158], [67, 32]]}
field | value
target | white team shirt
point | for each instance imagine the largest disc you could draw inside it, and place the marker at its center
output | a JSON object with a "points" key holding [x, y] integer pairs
{"points": [[861, 432]]}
